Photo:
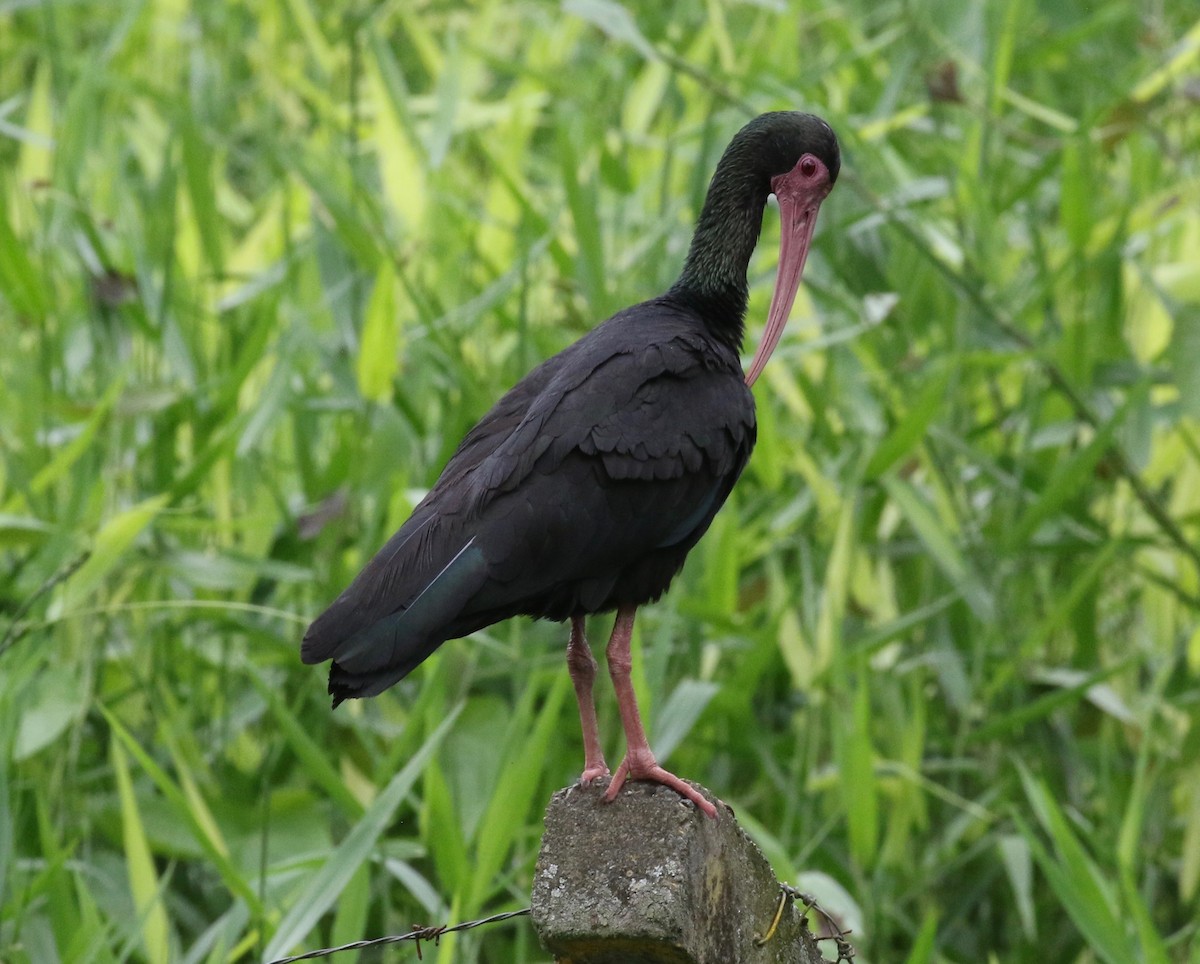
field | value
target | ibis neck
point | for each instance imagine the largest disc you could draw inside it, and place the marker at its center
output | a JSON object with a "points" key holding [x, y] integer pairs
{"points": [[713, 281]]}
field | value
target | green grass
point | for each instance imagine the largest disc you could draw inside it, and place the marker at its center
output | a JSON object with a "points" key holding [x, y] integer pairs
{"points": [[262, 265]]}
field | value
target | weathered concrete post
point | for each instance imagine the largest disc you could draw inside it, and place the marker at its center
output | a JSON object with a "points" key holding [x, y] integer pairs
{"points": [[649, 879]]}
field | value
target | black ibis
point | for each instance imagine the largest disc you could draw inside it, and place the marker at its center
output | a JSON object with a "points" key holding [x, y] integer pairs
{"points": [[585, 487]]}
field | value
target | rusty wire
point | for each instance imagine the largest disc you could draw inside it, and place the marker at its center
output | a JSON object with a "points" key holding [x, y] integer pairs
{"points": [[844, 948], [417, 934], [787, 893]]}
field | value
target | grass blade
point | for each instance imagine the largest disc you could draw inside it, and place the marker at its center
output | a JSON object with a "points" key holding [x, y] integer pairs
{"points": [[378, 355], [214, 849], [325, 887], [139, 864], [108, 549], [1074, 876], [941, 544]]}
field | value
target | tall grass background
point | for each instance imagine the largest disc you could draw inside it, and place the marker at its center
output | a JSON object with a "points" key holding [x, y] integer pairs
{"points": [[263, 264]]}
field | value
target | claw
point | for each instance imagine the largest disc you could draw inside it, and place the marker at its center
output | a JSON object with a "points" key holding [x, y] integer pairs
{"points": [[591, 774], [649, 770]]}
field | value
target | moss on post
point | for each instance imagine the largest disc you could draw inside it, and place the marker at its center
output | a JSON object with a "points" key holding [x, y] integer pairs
{"points": [[648, 879]]}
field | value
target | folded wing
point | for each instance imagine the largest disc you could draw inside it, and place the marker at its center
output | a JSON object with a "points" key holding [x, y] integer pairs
{"points": [[583, 488]]}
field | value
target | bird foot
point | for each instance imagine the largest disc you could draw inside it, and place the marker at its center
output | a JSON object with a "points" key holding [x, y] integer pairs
{"points": [[648, 769], [591, 773]]}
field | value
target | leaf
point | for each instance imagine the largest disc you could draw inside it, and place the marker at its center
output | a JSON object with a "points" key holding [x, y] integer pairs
{"points": [[449, 847], [513, 795], [1100, 695], [614, 20], [856, 767], [589, 258], [1018, 865], [66, 457], [325, 887], [1184, 356], [311, 755], [198, 172], [305, 18], [37, 135], [447, 99], [1070, 479], [769, 450], [926, 941], [798, 653], [378, 355], [360, 238], [19, 530], [836, 590], [350, 920], [910, 430], [470, 764], [679, 714], [1189, 870], [399, 152], [722, 561], [1016, 720], [835, 899], [1183, 54], [139, 865], [108, 550], [215, 850], [1153, 946], [54, 707], [1074, 876], [941, 545], [21, 285], [7, 850], [1076, 191]]}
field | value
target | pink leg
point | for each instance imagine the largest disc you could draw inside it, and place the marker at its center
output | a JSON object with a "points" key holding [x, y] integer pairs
{"points": [[582, 666], [639, 762]]}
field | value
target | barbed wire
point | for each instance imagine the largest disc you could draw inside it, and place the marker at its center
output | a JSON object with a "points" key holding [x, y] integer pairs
{"points": [[417, 934], [787, 893], [844, 948]]}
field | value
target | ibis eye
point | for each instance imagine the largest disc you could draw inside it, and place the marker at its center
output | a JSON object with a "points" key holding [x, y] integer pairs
{"points": [[808, 167]]}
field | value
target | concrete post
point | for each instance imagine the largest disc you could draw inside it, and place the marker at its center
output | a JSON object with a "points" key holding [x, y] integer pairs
{"points": [[648, 879]]}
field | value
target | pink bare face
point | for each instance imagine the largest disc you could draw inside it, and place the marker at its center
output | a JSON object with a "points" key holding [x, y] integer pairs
{"points": [[800, 192]]}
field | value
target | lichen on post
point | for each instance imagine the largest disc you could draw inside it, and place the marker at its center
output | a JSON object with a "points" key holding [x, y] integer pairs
{"points": [[648, 879]]}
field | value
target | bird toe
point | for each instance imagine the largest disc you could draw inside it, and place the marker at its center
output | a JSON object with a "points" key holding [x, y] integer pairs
{"points": [[592, 774]]}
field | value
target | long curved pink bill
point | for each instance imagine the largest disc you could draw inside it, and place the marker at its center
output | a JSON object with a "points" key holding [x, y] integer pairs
{"points": [[798, 219]]}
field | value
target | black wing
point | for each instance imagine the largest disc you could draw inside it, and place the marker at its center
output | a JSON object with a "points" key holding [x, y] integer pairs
{"points": [[583, 488]]}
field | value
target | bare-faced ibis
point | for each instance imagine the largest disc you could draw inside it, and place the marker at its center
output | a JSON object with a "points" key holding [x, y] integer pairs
{"points": [[584, 488]]}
